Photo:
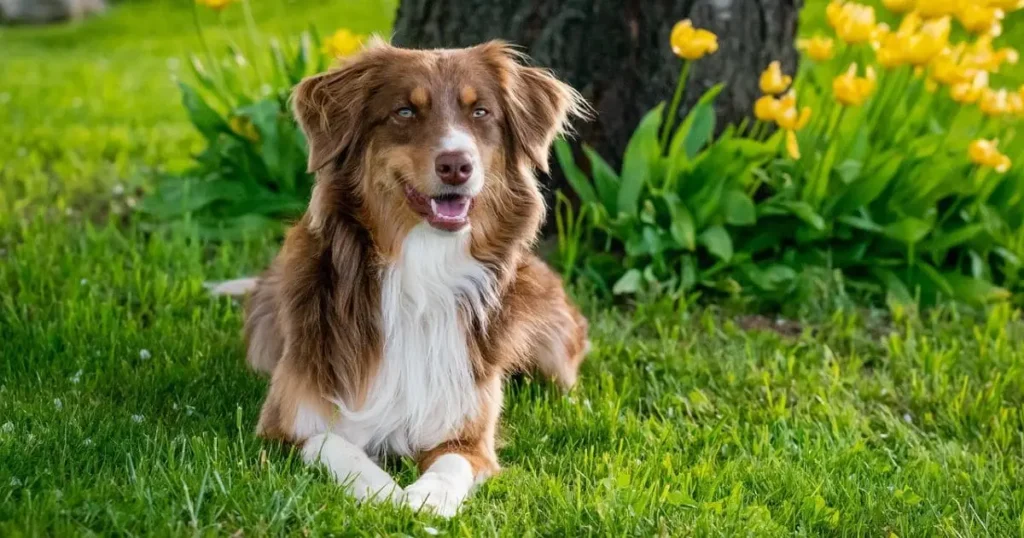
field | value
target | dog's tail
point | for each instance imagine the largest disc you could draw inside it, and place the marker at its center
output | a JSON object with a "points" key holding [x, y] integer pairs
{"points": [[232, 288], [262, 335]]}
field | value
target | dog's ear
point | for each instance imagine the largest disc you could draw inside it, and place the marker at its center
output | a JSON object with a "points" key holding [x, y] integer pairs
{"points": [[329, 106], [538, 105]]}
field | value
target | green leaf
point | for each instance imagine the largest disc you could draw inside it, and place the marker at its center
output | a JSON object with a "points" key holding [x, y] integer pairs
{"points": [[640, 161], [861, 223], [861, 193], [282, 69], [205, 79], [206, 120], [908, 231], [576, 178], [605, 178], [265, 202], [718, 242], [688, 273], [175, 197], [816, 189], [701, 129], [652, 240], [771, 278], [739, 208], [279, 158], [937, 279], [806, 213], [849, 170], [680, 498], [975, 290], [237, 228], [682, 227], [696, 128], [629, 283], [895, 288], [945, 241]]}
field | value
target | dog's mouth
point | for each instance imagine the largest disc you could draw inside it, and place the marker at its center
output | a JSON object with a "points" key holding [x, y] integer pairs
{"points": [[447, 211]]}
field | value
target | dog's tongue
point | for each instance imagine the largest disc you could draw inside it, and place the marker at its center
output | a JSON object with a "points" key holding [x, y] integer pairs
{"points": [[450, 208]]}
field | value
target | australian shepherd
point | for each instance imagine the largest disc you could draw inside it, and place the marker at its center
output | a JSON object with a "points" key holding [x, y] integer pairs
{"points": [[408, 291]]}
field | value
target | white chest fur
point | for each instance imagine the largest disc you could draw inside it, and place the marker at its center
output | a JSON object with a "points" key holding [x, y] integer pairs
{"points": [[424, 389]]}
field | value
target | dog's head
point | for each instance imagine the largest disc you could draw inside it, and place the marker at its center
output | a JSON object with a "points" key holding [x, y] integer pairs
{"points": [[430, 135]]}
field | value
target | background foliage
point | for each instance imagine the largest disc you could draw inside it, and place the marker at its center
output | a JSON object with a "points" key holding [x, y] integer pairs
{"points": [[252, 172], [883, 202]]}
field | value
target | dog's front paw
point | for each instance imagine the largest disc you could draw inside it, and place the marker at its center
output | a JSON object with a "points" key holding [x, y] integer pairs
{"points": [[433, 493]]}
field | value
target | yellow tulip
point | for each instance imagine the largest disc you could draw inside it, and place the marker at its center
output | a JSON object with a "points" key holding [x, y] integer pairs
{"points": [[986, 153], [818, 48], [981, 55], [970, 92], [1006, 5], [916, 41], [833, 12], [215, 4], [888, 57], [790, 120], [788, 100], [342, 43], [920, 47], [792, 145], [787, 117], [879, 34], [899, 6], [854, 23], [692, 43], [994, 102], [931, 9], [978, 18], [851, 90], [767, 108], [887, 47], [946, 67], [1015, 103], [773, 82]]}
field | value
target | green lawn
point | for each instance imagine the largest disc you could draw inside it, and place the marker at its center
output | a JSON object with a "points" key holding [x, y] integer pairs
{"points": [[125, 407]]}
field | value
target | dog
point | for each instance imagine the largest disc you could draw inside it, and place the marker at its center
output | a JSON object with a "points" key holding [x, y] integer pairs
{"points": [[408, 291]]}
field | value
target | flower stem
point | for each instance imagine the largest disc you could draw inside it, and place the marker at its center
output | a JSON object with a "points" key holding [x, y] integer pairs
{"points": [[949, 131], [202, 41], [670, 114], [254, 37]]}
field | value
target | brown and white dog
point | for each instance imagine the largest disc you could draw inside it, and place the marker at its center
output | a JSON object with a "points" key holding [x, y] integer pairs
{"points": [[408, 291]]}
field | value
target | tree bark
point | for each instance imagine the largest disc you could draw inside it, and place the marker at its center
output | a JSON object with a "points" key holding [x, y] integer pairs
{"points": [[617, 53], [46, 11]]}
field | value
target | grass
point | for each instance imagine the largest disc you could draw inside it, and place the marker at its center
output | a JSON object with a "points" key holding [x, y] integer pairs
{"points": [[125, 408]]}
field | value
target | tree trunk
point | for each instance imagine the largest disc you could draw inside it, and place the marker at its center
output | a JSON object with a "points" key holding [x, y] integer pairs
{"points": [[617, 53], [46, 11]]}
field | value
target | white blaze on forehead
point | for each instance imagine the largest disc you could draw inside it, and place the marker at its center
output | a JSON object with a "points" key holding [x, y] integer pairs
{"points": [[458, 140]]}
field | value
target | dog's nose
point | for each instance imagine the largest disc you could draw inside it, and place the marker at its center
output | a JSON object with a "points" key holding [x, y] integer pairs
{"points": [[453, 167]]}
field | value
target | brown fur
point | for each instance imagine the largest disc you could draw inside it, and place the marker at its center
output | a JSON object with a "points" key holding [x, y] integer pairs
{"points": [[314, 320]]}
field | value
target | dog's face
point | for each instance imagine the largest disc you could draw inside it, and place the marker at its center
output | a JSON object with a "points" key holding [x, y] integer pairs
{"points": [[434, 133], [437, 133]]}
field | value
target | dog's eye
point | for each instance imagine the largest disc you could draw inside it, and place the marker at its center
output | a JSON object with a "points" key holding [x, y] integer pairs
{"points": [[405, 112], [479, 112]]}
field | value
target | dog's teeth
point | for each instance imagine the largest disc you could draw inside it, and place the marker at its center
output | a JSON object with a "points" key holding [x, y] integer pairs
{"points": [[433, 206]]}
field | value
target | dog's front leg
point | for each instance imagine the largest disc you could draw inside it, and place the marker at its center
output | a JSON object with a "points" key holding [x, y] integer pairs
{"points": [[362, 478], [450, 471], [446, 482]]}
